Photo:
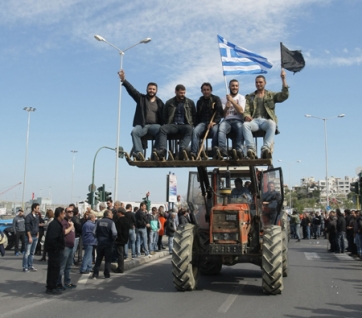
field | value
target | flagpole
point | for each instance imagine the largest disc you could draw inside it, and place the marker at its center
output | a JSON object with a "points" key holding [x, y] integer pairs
{"points": [[226, 85], [281, 57]]}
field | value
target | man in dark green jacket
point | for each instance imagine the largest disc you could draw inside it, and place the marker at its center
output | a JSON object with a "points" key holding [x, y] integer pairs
{"points": [[179, 118], [260, 114], [148, 115]]}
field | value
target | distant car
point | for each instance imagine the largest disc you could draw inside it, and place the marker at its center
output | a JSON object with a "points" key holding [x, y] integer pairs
{"points": [[6, 225]]}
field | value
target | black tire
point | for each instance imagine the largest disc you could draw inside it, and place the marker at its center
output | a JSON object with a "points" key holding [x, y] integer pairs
{"points": [[272, 260], [285, 254], [185, 273], [210, 265]]}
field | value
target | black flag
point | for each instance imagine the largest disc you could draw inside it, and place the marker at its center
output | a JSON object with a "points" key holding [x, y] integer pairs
{"points": [[291, 60]]}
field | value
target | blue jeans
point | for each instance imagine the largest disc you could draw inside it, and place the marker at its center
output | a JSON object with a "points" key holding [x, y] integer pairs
{"points": [[358, 242], [185, 130], [340, 241], [66, 265], [225, 127], [141, 238], [29, 252], [256, 124], [297, 230], [87, 258], [132, 242], [170, 243], [138, 132], [308, 231], [196, 136], [153, 241]]}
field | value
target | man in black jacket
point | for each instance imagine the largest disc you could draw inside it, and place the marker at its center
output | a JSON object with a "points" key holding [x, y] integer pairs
{"points": [[31, 237], [131, 235], [122, 226], [148, 115], [54, 245], [179, 118], [341, 231], [206, 106], [141, 230]]}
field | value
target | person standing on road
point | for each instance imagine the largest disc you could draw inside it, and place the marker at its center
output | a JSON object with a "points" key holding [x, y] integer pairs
{"points": [[148, 115], [67, 258], [89, 242], [331, 230], [78, 233], [171, 226], [154, 227], [31, 237], [260, 115], [54, 246], [161, 232], [295, 219], [141, 229], [317, 225], [105, 233], [19, 231], [123, 227], [131, 235], [341, 232]]}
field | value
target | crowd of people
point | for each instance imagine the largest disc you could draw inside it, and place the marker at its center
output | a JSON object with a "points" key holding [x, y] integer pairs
{"points": [[238, 114], [108, 234], [336, 226]]}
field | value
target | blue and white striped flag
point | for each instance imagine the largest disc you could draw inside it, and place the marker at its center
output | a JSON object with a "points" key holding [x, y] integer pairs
{"points": [[237, 60]]}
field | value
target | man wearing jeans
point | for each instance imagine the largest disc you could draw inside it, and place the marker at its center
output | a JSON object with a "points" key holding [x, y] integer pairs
{"points": [[155, 227], [148, 115], [131, 235], [141, 230], [67, 258], [341, 232], [89, 241], [260, 115], [206, 107], [31, 237], [233, 121]]}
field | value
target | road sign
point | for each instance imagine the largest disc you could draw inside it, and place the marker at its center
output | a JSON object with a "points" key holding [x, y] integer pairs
{"points": [[92, 187], [328, 208]]}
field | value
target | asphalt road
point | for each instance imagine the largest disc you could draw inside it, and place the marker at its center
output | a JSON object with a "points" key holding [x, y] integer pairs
{"points": [[320, 284]]}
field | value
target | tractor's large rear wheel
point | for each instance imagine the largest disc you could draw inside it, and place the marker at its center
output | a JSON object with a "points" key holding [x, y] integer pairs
{"points": [[185, 273], [272, 260], [285, 230]]}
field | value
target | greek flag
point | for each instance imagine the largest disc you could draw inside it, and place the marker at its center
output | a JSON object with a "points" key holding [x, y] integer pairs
{"points": [[237, 60]]}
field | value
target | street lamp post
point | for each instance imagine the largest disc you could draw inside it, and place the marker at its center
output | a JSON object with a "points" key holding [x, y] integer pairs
{"points": [[289, 173], [121, 52], [326, 149], [71, 191], [29, 110]]}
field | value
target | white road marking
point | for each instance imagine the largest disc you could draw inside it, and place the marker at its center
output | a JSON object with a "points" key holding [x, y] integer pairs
{"points": [[311, 256], [21, 309], [231, 298], [343, 257]]}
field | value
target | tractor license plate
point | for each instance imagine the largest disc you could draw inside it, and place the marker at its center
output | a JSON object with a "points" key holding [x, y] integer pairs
{"points": [[225, 249]]}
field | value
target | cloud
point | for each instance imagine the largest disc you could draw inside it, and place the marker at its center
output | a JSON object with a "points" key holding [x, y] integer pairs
{"points": [[345, 50]]}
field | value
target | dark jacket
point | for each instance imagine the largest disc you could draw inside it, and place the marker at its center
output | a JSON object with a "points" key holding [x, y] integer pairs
{"points": [[105, 232], [341, 224], [170, 227], [331, 227], [141, 219], [170, 109], [140, 99], [131, 218], [200, 109], [122, 226], [19, 224], [54, 238], [77, 226], [32, 224]]}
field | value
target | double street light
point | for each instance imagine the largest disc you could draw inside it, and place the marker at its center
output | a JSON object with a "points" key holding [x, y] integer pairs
{"points": [[326, 150], [29, 110], [290, 185], [121, 52]]}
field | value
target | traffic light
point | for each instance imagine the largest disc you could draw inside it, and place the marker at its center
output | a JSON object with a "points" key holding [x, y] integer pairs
{"points": [[90, 197], [354, 187], [96, 198], [107, 196], [101, 191]]}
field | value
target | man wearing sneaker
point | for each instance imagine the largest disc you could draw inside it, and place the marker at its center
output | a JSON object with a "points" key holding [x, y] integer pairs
{"points": [[122, 226], [233, 105], [260, 115], [31, 237], [155, 227], [148, 115], [206, 107], [141, 229], [54, 246], [131, 235], [19, 231], [68, 254], [89, 241], [178, 118]]}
